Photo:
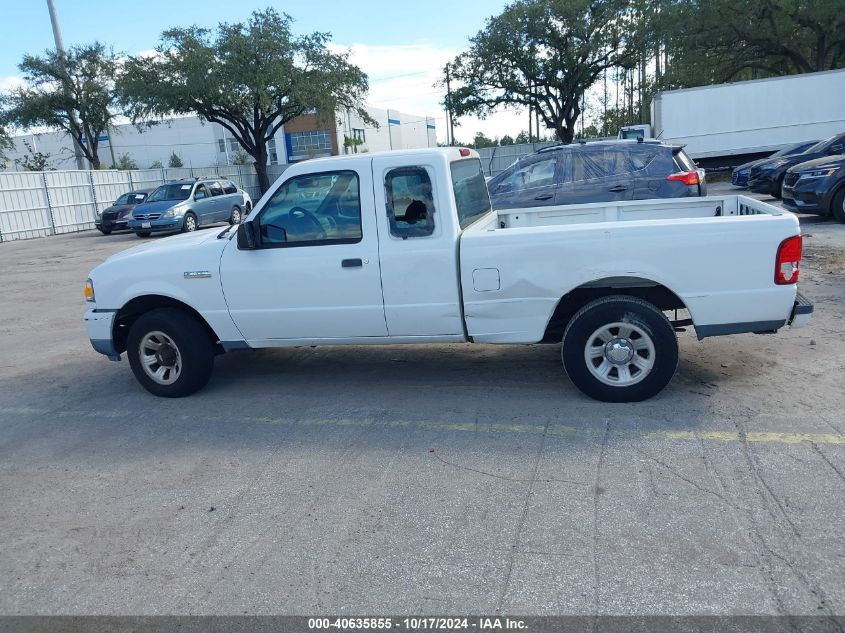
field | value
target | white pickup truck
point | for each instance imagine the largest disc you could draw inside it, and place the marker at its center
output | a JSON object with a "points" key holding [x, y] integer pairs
{"points": [[403, 247]]}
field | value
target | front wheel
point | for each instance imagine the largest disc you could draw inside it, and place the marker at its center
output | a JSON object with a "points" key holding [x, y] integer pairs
{"points": [[143, 233], [235, 218], [190, 223], [620, 349], [105, 231], [838, 206], [170, 353]]}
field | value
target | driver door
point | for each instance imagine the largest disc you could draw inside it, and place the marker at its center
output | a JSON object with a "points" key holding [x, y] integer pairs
{"points": [[315, 275]]}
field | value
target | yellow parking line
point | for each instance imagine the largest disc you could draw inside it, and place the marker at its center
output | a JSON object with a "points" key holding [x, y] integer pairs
{"points": [[556, 430]]}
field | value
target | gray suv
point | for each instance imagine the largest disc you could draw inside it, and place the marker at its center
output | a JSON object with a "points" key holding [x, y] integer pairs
{"points": [[600, 171]]}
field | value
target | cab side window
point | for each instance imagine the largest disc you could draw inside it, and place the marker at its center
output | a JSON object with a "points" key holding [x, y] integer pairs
{"points": [[313, 210], [410, 202], [216, 188], [229, 187], [200, 192]]}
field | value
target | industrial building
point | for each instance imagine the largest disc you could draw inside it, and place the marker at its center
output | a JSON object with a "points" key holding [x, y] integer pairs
{"points": [[203, 144]]}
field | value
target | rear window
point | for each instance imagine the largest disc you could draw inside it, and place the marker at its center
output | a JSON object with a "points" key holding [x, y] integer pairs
{"points": [[471, 197], [684, 162]]}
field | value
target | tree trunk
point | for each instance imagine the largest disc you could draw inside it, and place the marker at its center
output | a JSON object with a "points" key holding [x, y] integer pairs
{"points": [[260, 157]]}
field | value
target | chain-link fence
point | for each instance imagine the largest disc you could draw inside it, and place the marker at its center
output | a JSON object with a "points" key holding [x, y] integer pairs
{"points": [[37, 204]]}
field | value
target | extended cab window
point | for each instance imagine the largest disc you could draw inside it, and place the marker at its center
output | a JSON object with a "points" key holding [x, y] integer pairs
{"points": [[472, 199], [410, 203], [313, 209]]}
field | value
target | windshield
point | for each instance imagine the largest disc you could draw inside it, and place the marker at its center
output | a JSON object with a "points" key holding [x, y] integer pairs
{"points": [[130, 198], [800, 148], [176, 191], [821, 145]]}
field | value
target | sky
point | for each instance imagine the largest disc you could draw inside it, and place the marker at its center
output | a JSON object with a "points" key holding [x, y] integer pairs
{"points": [[402, 46]]}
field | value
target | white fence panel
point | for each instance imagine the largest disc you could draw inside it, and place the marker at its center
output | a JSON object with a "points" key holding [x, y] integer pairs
{"points": [[71, 195], [108, 186], [24, 207], [37, 204]]}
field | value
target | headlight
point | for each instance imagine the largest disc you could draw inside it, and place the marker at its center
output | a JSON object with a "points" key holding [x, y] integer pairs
{"points": [[171, 212], [819, 173], [779, 163], [89, 290]]}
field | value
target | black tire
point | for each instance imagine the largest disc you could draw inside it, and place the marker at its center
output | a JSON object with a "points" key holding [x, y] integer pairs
{"points": [[190, 339], [776, 187], [650, 325], [837, 207], [105, 231], [143, 233], [236, 216], [190, 223], [248, 207]]}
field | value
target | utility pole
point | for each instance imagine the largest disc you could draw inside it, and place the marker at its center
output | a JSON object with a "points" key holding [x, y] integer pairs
{"points": [[530, 116], [450, 129], [60, 51]]}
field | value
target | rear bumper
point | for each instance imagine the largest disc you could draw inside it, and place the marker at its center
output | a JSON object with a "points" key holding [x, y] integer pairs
{"points": [[802, 312]]}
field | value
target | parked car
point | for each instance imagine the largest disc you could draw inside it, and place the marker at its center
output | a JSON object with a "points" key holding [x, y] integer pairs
{"points": [[116, 217], [739, 176], [600, 171], [767, 176], [817, 186], [186, 205], [403, 248]]}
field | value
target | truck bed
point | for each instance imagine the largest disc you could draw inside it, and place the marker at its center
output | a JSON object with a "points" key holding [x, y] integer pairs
{"points": [[636, 210], [715, 254]]}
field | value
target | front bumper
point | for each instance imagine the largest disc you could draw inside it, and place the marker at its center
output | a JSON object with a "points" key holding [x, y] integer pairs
{"points": [[119, 224], [99, 327], [809, 195], [802, 312], [763, 182], [160, 225], [739, 178]]}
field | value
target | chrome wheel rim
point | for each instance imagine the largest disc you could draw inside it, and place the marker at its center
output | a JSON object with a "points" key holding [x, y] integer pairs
{"points": [[236, 216], [160, 358], [619, 354], [190, 223]]}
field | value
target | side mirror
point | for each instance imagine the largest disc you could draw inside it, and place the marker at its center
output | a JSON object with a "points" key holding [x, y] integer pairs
{"points": [[246, 237]]}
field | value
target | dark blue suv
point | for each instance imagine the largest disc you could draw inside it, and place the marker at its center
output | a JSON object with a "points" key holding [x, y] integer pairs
{"points": [[601, 171]]}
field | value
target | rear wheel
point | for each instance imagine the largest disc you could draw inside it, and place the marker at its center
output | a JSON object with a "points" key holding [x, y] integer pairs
{"points": [[838, 205], [620, 349], [170, 353], [235, 218], [190, 223]]}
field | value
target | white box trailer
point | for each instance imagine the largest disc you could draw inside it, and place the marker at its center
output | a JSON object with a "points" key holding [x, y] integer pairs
{"points": [[751, 117]]}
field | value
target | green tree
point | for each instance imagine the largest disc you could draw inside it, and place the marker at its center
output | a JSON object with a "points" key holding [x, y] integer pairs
{"points": [[240, 157], [507, 139], [542, 54], [481, 140], [251, 78], [125, 162], [175, 160], [73, 92], [156, 164], [713, 41], [33, 160]]}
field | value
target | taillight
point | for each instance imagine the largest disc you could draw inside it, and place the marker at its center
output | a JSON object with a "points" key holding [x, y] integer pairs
{"points": [[788, 260], [686, 177]]}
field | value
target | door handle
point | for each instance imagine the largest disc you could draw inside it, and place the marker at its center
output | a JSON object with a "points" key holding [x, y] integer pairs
{"points": [[351, 263], [618, 188], [545, 196]]}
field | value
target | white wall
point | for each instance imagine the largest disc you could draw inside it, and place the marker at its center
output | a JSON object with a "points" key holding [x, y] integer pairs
{"points": [[411, 132]]}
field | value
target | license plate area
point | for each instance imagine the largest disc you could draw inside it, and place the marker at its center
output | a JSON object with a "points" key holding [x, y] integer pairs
{"points": [[145, 225]]}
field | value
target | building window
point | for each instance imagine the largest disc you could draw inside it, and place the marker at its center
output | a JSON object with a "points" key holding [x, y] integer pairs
{"points": [[233, 145], [221, 144], [359, 135], [304, 145], [272, 155]]}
